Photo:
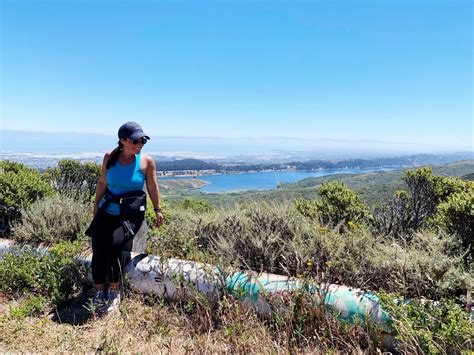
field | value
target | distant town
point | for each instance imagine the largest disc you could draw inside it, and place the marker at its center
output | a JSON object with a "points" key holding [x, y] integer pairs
{"points": [[196, 167]]}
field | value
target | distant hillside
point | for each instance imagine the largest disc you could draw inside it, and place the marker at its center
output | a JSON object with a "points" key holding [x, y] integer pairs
{"points": [[373, 187], [185, 164], [395, 162], [402, 161], [458, 169], [469, 177]]}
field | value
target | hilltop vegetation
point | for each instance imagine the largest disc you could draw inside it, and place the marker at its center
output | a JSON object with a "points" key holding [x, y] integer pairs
{"points": [[414, 245]]}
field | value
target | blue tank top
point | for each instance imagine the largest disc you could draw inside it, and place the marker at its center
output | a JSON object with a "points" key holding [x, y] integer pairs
{"points": [[123, 178]]}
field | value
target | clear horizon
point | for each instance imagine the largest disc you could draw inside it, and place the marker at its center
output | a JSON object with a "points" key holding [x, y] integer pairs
{"points": [[388, 71], [239, 138]]}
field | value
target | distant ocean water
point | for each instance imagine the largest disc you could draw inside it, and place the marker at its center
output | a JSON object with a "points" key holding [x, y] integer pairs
{"points": [[264, 180]]}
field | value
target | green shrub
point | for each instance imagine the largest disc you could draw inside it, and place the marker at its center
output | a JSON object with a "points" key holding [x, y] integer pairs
{"points": [[429, 327], [338, 203], [430, 266], [306, 207], [176, 238], [257, 237], [54, 275], [411, 210], [392, 217], [198, 206], [53, 219], [456, 215], [32, 305], [74, 179], [423, 195], [20, 186]]}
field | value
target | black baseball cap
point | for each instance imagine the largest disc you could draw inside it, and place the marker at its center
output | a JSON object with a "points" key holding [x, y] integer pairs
{"points": [[131, 130]]}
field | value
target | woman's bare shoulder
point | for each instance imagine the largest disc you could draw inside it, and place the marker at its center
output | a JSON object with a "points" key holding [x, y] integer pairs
{"points": [[149, 159], [107, 156]]}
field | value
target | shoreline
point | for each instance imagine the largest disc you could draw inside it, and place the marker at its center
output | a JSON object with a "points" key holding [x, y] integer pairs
{"points": [[236, 172]]}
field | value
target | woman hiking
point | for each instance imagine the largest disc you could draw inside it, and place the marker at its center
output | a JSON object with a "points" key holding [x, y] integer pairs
{"points": [[125, 172]]}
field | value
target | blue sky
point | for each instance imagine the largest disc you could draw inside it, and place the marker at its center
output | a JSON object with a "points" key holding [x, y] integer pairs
{"points": [[386, 70]]}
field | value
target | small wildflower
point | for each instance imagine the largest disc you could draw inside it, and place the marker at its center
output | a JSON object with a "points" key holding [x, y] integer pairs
{"points": [[309, 263], [299, 276], [352, 225]]}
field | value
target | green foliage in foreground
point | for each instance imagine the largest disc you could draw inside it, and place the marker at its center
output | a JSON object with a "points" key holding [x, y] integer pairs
{"points": [[428, 327], [32, 305], [52, 220], [53, 275], [20, 186]]}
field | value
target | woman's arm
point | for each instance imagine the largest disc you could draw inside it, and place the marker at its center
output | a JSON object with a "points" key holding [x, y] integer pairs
{"points": [[101, 184], [152, 188]]}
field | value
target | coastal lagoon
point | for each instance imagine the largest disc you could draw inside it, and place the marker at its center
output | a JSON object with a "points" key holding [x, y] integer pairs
{"points": [[264, 180]]}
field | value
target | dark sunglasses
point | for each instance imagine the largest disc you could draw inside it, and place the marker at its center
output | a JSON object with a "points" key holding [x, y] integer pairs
{"points": [[139, 140]]}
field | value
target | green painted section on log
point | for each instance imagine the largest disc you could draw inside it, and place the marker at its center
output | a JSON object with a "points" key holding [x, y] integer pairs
{"points": [[346, 303]]}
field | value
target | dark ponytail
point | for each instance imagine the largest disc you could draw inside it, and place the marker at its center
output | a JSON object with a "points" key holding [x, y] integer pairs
{"points": [[114, 155]]}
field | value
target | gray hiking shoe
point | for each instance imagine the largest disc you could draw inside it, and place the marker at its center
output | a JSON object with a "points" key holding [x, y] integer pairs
{"points": [[114, 299], [99, 302]]}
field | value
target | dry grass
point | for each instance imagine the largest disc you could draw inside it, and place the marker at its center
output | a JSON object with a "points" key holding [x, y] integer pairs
{"points": [[147, 324], [141, 326]]}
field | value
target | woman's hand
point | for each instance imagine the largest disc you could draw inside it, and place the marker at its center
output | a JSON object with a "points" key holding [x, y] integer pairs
{"points": [[159, 219]]}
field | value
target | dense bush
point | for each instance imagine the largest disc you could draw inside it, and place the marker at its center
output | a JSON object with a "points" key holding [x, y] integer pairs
{"points": [[338, 203], [74, 179], [393, 217], [307, 208], [409, 210], [423, 197], [176, 237], [52, 220], [430, 266], [425, 327], [54, 275], [425, 204], [20, 186], [456, 215], [196, 205]]}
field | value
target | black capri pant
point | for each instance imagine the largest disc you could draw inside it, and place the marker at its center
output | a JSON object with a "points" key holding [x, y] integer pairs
{"points": [[106, 255]]}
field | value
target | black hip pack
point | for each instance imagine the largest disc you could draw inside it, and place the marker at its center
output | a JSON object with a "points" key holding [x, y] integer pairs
{"points": [[132, 213]]}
